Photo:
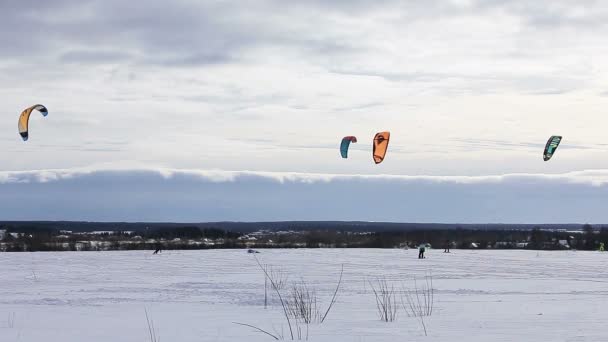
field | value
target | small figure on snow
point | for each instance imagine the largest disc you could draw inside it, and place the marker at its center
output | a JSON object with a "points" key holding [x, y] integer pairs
{"points": [[446, 248], [421, 250]]}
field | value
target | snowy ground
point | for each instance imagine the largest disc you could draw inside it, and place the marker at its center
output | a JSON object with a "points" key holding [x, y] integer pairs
{"points": [[196, 295]]}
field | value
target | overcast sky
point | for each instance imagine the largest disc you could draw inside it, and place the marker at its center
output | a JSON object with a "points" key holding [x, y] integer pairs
{"points": [[467, 88]]}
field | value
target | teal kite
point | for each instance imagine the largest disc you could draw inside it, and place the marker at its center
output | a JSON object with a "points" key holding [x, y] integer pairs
{"points": [[551, 146], [345, 144]]}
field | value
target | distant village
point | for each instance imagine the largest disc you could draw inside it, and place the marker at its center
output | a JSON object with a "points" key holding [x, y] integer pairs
{"points": [[34, 238]]}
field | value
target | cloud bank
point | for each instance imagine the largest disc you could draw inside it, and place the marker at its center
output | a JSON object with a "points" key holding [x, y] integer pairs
{"points": [[160, 194]]}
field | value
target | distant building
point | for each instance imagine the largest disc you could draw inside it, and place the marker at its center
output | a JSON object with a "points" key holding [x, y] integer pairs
{"points": [[247, 238], [208, 242], [82, 245]]}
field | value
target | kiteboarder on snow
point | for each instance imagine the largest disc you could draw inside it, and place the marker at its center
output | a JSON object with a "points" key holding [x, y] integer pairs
{"points": [[421, 250]]}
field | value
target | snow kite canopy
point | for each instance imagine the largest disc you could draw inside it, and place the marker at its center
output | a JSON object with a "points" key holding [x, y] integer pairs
{"points": [[551, 146], [381, 146], [24, 119], [345, 144]]}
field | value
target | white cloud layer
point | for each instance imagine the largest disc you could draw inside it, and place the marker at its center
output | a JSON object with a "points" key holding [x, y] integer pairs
{"points": [[161, 194]]}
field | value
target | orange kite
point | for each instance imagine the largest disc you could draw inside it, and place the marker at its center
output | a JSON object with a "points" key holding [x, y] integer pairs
{"points": [[381, 146]]}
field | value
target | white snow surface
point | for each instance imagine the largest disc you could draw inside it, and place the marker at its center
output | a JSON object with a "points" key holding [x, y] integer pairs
{"points": [[485, 296]]}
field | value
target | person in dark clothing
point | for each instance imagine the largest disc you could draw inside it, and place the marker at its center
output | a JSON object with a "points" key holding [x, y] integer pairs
{"points": [[447, 247], [421, 252]]}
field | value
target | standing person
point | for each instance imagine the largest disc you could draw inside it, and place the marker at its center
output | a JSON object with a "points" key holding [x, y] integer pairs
{"points": [[421, 251], [446, 248]]}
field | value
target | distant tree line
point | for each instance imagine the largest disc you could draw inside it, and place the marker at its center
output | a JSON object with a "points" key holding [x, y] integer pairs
{"points": [[44, 238], [538, 239], [189, 232]]}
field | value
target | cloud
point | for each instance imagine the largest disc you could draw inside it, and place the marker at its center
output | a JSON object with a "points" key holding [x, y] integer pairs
{"points": [[161, 194], [497, 144], [273, 85], [557, 14], [586, 177], [94, 56], [183, 33]]}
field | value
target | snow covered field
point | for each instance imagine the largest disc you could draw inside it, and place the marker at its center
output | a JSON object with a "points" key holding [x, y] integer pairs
{"points": [[196, 295]]}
